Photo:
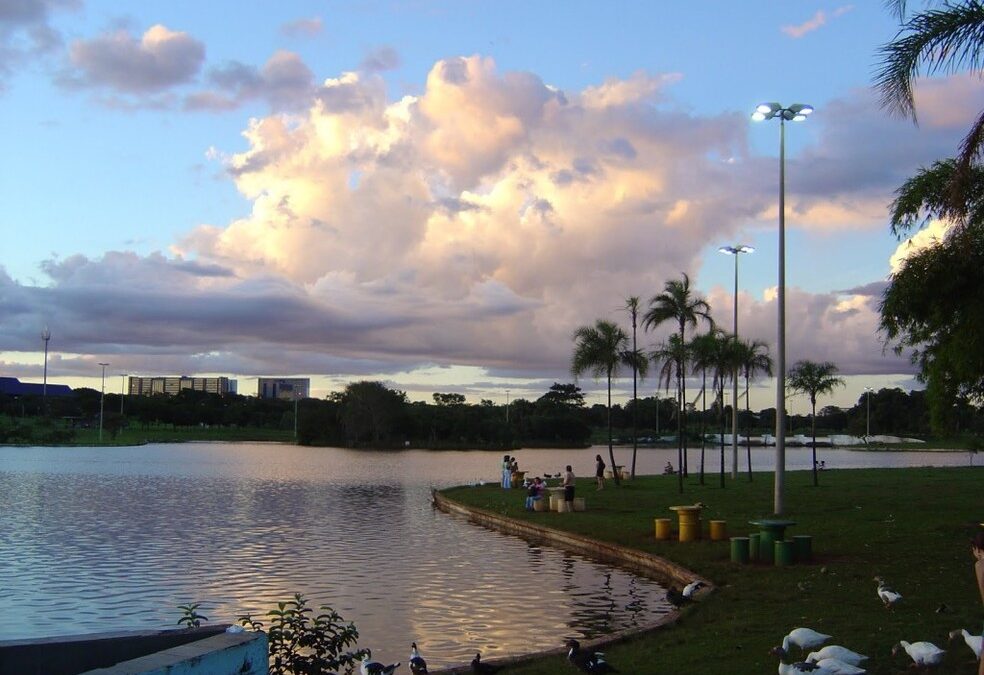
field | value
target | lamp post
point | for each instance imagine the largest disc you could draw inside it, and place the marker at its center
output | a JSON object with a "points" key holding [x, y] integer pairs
{"points": [[796, 113], [295, 415], [45, 335], [122, 391], [102, 396], [736, 251]]}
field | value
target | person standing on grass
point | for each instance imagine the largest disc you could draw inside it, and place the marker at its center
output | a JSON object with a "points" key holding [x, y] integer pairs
{"points": [[568, 483], [506, 472], [600, 471]]}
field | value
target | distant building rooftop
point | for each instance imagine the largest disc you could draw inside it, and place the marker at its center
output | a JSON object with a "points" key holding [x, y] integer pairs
{"points": [[14, 387]]}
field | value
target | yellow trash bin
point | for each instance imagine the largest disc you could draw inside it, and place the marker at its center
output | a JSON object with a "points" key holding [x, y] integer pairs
{"points": [[580, 504], [663, 529], [719, 530]]}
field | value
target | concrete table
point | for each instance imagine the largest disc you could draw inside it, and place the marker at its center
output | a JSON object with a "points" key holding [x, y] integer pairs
{"points": [[689, 521], [770, 531]]}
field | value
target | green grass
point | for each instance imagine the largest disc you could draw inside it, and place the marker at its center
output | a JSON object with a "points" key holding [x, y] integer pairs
{"points": [[912, 526]]}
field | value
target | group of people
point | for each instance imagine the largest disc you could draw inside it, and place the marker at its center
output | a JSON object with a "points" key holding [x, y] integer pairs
{"points": [[510, 466], [536, 487]]}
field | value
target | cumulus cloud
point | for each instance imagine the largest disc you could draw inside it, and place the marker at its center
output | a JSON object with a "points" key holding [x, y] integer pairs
{"points": [[934, 232], [815, 22], [308, 27], [26, 32], [122, 64], [284, 81], [381, 59]]}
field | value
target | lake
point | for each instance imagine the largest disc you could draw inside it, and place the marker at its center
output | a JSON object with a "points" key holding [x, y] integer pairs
{"points": [[99, 539]]}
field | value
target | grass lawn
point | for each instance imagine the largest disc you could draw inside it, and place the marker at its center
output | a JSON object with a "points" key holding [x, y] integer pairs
{"points": [[911, 526]]}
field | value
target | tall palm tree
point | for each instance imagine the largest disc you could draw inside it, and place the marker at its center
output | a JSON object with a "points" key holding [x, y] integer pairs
{"points": [[632, 304], [942, 39], [724, 361], [813, 378], [753, 358], [678, 303], [702, 348], [668, 355], [600, 350]]}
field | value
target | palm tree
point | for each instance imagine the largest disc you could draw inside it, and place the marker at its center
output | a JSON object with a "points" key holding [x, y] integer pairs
{"points": [[943, 39], [601, 349], [632, 304], [753, 358], [702, 349], [813, 378], [669, 355], [724, 361], [677, 303]]}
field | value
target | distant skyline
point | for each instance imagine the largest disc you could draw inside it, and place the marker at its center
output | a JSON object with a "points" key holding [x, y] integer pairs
{"points": [[437, 194]]}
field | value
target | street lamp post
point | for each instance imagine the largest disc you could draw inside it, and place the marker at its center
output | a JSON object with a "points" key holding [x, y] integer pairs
{"points": [[102, 396], [736, 251], [122, 391], [45, 335], [796, 113]]}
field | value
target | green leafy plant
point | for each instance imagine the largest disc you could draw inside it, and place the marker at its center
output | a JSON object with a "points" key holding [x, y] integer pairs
{"points": [[190, 616], [302, 644]]}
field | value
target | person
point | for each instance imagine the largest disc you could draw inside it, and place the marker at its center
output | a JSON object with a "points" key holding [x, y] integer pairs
{"points": [[506, 472], [600, 471], [534, 493], [568, 483], [668, 469]]}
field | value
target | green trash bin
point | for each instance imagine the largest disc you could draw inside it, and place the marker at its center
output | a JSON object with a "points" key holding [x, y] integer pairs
{"points": [[803, 543], [753, 546], [784, 553], [739, 550]]}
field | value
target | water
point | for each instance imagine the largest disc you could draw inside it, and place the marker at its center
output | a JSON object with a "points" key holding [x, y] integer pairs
{"points": [[98, 539]]}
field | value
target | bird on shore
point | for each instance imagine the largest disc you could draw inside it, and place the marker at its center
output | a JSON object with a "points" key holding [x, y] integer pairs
{"points": [[888, 595], [804, 638], [375, 667], [482, 668], [417, 664], [589, 662], [800, 667], [692, 587], [923, 654], [837, 652], [975, 642], [839, 667]]}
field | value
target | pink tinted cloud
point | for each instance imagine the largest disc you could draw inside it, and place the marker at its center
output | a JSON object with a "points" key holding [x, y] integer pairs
{"points": [[815, 22]]}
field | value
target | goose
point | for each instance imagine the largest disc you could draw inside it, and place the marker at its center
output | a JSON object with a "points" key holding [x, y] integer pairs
{"points": [[692, 587], [589, 662], [837, 652], [888, 596], [482, 668], [417, 664], [375, 667], [804, 638], [802, 667], [975, 642], [839, 667], [921, 653]]}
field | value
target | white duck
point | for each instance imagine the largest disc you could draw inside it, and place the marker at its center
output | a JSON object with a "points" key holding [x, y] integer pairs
{"points": [[921, 653], [975, 642], [837, 652], [801, 668], [888, 596], [804, 638], [839, 667], [692, 587]]}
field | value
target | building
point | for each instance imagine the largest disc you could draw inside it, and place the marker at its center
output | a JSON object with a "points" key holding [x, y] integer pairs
{"points": [[148, 386], [288, 388], [14, 387]]}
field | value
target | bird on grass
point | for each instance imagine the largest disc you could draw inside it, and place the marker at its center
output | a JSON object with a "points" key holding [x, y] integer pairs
{"points": [[375, 667], [801, 667], [417, 664], [837, 652], [839, 667], [923, 654], [482, 668], [692, 587], [589, 662], [975, 642], [888, 595], [804, 638]]}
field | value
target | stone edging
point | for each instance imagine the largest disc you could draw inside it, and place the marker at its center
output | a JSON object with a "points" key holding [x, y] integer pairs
{"points": [[643, 563]]}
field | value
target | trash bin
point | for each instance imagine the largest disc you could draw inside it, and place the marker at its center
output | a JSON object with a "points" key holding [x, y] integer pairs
{"points": [[803, 543], [739, 550], [718, 530], [784, 553], [663, 529], [753, 546]]}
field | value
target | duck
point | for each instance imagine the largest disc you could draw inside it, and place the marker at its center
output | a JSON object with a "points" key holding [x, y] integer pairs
{"points": [[839, 667], [482, 668], [417, 664], [921, 653], [975, 642], [692, 587], [837, 652], [801, 667], [888, 596], [589, 662], [804, 638], [375, 667], [676, 598]]}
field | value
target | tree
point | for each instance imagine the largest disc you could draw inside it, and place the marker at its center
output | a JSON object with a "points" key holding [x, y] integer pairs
{"points": [[934, 303], [445, 400], [562, 396], [753, 359], [677, 303], [369, 410], [632, 304], [669, 356], [944, 39], [702, 352], [600, 350], [725, 364], [813, 378]]}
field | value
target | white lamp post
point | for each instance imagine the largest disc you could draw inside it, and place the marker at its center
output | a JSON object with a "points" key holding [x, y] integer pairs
{"points": [[102, 396], [736, 251], [45, 335], [796, 113]]}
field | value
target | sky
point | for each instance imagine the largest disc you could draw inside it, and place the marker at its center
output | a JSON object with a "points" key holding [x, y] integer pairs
{"points": [[436, 194]]}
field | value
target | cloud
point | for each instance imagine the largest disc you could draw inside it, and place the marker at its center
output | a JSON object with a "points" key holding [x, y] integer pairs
{"points": [[284, 81], [309, 27], [118, 62], [26, 33], [815, 22], [380, 59], [928, 236]]}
